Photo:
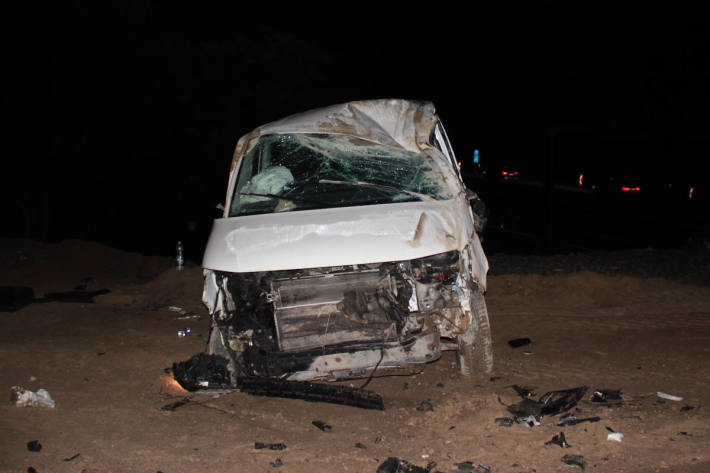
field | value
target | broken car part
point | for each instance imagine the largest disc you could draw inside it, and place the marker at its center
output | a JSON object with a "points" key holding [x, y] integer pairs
{"points": [[560, 440], [575, 460], [529, 412], [270, 446], [606, 395], [571, 419], [670, 397], [470, 467], [396, 465], [34, 446], [202, 371], [519, 342], [322, 426], [312, 392], [347, 248], [22, 397]]}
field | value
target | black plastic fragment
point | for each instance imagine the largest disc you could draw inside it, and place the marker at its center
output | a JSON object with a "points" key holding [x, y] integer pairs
{"points": [[202, 371], [469, 467], [361, 446], [557, 402], [31, 470], [505, 421], [571, 419], [519, 342], [276, 463], [270, 446], [686, 408], [560, 440], [34, 446], [311, 392], [426, 406], [396, 465], [575, 460], [528, 411], [68, 459], [322, 426], [606, 395]]}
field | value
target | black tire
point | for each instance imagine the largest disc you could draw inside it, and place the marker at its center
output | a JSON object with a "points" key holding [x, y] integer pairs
{"points": [[474, 353]]}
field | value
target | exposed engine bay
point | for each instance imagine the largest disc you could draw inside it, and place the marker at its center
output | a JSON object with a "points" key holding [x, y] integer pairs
{"points": [[340, 322]]}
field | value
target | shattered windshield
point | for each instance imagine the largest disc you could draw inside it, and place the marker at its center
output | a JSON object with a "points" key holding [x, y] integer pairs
{"points": [[291, 172]]}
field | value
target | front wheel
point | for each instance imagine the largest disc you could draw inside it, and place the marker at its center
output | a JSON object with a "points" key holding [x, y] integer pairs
{"points": [[474, 352]]}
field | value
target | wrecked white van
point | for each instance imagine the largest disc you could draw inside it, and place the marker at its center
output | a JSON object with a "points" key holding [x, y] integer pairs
{"points": [[348, 247]]}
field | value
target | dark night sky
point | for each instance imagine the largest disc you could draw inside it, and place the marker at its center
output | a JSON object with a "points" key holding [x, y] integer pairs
{"points": [[124, 115]]}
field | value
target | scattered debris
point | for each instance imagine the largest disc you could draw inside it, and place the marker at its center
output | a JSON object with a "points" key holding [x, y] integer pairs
{"points": [[34, 446], [686, 408], [615, 436], [202, 371], [184, 333], [73, 457], [468, 467], [575, 460], [670, 397], [530, 421], [557, 402], [560, 440], [270, 446], [529, 411], [22, 397], [493, 379], [322, 426], [606, 395], [31, 470], [276, 463], [505, 421], [524, 391], [360, 446], [426, 406], [395, 465], [571, 419], [519, 342]]}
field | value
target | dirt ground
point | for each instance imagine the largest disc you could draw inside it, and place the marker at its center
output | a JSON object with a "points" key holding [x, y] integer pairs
{"points": [[105, 366]]}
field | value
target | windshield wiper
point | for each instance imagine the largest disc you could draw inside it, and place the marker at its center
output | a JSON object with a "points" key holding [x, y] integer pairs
{"points": [[424, 197], [283, 197]]}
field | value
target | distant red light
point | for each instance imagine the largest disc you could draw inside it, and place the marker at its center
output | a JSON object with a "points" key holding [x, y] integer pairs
{"points": [[626, 189], [505, 173]]}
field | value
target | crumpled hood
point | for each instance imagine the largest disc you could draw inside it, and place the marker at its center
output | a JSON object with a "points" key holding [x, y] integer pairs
{"points": [[337, 236]]}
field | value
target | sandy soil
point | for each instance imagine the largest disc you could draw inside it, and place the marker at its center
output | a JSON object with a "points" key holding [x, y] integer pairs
{"points": [[104, 364]]}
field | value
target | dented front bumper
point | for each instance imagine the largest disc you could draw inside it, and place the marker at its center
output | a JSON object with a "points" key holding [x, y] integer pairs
{"points": [[340, 322]]}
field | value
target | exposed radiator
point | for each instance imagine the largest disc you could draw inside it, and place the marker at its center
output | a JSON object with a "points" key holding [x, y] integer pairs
{"points": [[316, 311]]}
